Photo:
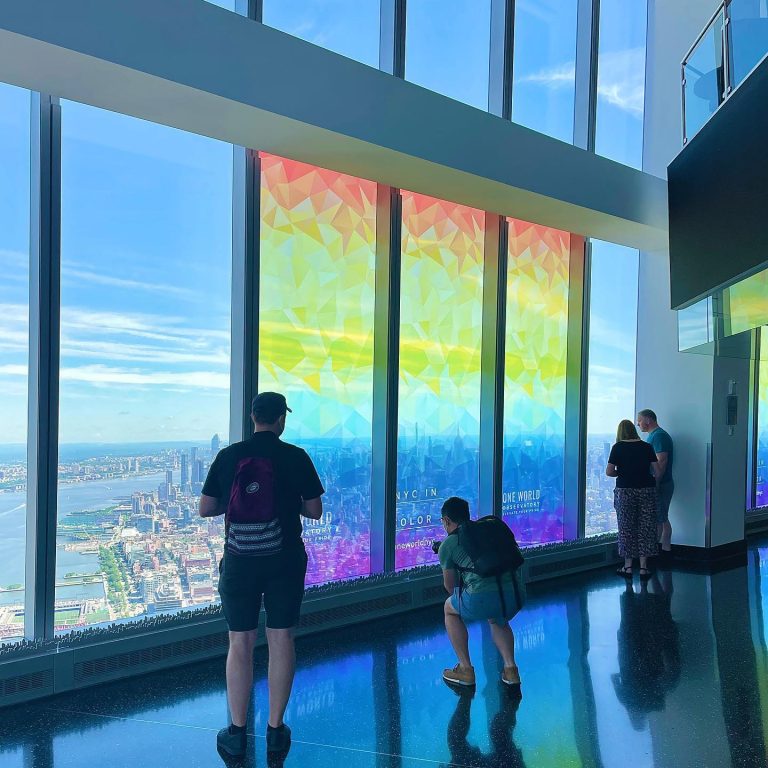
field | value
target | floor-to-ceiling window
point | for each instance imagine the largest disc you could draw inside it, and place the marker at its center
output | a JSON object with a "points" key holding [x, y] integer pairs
{"points": [[621, 81], [146, 251], [440, 331], [761, 464], [534, 382], [544, 71], [611, 375], [348, 27], [318, 244], [447, 48], [15, 107]]}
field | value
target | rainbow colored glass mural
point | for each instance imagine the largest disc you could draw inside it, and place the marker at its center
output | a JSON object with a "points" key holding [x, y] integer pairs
{"points": [[439, 397], [761, 468], [534, 382], [318, 238]]}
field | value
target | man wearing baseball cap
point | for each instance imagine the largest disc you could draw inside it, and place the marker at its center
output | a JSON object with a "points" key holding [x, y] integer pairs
{"points": [[263, 486]]}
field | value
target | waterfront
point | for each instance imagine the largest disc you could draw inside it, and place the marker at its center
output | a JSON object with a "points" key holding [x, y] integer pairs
{"points": [[73, 497]]}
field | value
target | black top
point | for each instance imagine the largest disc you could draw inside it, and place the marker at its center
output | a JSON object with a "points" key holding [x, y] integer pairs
{"points": [[633, 461], [296, 478]]}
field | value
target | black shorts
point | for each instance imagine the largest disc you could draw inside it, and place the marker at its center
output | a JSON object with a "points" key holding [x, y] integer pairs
{"points": [[279, 578]]}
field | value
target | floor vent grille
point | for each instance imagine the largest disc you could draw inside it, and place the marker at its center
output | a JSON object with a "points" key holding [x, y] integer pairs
{"points": [[109, 665], [331, 616], [431, 594], [32, 681], [584, 561]]}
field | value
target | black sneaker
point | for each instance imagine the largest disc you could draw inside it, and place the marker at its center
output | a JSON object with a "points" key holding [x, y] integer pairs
{"points": [[232, 743], [278, 739]]}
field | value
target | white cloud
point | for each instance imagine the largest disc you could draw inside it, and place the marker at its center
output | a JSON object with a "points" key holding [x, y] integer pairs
{"points": [[606, 334], [621, 82], [102, 374], [109, 350], [148, 326], [17, 259], [105, 375], [119, 282]]}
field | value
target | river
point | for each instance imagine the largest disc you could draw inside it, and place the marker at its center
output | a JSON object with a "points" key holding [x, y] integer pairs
{"points": [[74, 497]]}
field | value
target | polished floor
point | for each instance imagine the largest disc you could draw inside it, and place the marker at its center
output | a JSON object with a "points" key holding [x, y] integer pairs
{"points": [[674, 674]]}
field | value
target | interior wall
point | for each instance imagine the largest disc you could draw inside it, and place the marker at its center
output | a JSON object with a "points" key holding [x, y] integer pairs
{"points": [[729, 446], [678, 386]]}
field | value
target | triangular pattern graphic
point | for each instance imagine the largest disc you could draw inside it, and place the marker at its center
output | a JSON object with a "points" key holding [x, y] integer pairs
{"points": [[318, 239], [535, 381]]}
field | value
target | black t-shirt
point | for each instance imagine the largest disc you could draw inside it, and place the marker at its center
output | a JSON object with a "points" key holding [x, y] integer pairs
{"points": [[296, 478], [633, 461]]}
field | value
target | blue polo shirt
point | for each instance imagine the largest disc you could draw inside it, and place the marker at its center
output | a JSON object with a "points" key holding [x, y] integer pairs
{"points": [[662, 443]]}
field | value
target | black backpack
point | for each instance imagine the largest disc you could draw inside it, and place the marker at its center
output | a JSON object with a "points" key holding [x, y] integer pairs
{"points": [[493, 550]]}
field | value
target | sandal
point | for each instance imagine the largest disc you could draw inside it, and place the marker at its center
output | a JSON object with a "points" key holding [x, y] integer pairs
{"points": [[625, 571], [645, 574]]}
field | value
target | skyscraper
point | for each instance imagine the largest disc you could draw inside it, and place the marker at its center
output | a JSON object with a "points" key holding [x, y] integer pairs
{"points": [[169, 476], [215, 444], [184, 470]]}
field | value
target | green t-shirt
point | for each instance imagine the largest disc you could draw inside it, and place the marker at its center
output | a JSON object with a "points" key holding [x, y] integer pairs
{"points": [[662, 443], [452, 554]]}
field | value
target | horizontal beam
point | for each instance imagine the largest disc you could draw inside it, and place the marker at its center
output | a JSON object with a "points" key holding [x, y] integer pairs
{"points": [[194, 66]]}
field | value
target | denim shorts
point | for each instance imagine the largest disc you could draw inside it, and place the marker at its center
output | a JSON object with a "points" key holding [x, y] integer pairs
{"points": [[486, 605], [665, 491]]}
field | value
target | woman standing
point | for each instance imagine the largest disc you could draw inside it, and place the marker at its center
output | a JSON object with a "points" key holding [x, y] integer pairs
{"points": [[633, 463]]}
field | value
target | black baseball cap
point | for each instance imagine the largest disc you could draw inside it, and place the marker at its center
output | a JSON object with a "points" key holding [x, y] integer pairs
{"points": [[267, 407]]}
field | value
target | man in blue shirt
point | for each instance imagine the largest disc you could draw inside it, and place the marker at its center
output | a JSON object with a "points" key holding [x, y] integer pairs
{"points": [[665, 485]]}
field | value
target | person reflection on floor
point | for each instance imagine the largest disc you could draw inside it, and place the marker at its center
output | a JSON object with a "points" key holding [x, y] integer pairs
{"points": [[649, 649], [505, 753]]}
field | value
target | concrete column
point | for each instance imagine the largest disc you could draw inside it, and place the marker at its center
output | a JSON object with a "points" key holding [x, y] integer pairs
{"points": [[688, 391]]}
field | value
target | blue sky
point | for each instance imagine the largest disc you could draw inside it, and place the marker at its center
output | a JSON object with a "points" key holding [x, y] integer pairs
{"points": [[612, 336], [146, 219]]}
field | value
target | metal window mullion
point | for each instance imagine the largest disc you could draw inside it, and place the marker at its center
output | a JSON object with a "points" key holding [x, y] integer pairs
{"points": [[43, 403], [585, 96], [501, 58], [386, 367], [392, 19], [754, 418], [492, 352], [244, 365], [576, 389], [251, 9], [726, 35]]}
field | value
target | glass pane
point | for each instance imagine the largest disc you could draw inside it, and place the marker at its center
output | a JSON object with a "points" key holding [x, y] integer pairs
{"points": [[348, 27], [611, 377], [15, 107], [749, 36], [440, 331], [145, 349], [694, 325], [746, 303], [761, 479], [704, 79], [318, 247], [534, 382], [621, 81], [447, 48], [228, 4], [544, 72]]}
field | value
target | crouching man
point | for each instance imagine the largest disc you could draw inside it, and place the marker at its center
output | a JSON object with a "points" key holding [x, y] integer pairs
{"points": [[480, 561]]}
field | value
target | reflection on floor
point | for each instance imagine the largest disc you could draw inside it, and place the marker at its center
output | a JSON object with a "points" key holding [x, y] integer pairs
{"points": [[669, 674]]}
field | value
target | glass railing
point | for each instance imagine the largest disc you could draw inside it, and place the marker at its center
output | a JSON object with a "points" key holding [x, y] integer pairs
{"points": [[733, 43]]}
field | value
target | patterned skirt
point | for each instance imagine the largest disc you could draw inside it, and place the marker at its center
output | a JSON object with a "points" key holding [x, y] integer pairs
{"points": [[636, 515]]}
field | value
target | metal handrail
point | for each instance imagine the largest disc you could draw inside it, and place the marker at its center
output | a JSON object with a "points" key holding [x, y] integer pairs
{"points": [[723, 8], [729, 85]]}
